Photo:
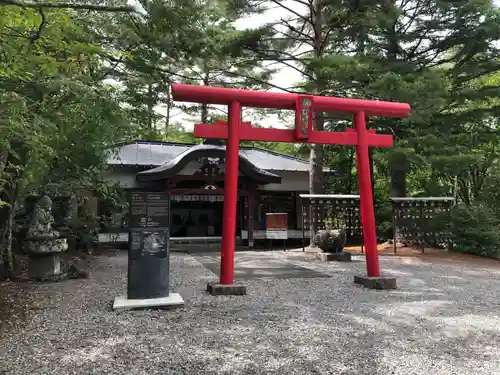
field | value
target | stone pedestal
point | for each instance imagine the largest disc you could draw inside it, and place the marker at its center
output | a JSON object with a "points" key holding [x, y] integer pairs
{"points": [[334, 257], [43, 244], [216, 289], [379, 283], [44, 267], [44, 258], [171, 301]]}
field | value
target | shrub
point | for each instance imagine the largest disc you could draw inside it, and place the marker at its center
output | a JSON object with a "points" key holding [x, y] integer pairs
{"points": [[475, 230]]}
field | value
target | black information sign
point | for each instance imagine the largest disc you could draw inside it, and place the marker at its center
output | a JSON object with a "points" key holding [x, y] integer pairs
{"points": [[148, 242], [149, 210], [148, 261]]}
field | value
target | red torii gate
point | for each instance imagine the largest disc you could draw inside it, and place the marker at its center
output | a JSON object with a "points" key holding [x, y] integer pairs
{"points": [[305, 106]]}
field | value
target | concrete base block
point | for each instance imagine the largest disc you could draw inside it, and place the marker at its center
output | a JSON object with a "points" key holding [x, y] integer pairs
{"points": [[226, 290], [339, 257], [173, 300], [376, 282]]}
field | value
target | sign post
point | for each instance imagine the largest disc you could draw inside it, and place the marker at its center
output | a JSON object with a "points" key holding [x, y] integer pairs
{"points": [[148, 254], [277, 227]]}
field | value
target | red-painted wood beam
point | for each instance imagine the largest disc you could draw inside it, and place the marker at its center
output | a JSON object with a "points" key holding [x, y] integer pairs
{"points": [[260, 99], [247, 133]]}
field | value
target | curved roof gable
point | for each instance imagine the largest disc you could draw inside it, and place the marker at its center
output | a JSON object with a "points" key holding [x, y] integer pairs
{"points": [[153, 154], [175, 165]]}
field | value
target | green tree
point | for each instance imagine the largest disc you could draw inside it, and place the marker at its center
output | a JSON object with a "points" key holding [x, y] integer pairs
{"points": [[302, 38], [57, 118]]}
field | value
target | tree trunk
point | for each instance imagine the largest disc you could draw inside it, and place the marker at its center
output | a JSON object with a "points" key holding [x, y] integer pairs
{"points": [[204, 106], [352, 162], [6, 258], [204, 113], [167, 115], [316, 156], [4, 272], [150, 106], [398, 183], [372, 171]]}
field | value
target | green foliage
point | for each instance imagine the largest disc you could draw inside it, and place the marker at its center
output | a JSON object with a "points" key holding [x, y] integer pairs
{"points": [[176, 133], [476, 230], [58, 117]]}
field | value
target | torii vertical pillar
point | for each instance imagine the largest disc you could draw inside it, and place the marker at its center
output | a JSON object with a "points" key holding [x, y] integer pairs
{"points": [[366, 197], [373, 279], [226, 286]]}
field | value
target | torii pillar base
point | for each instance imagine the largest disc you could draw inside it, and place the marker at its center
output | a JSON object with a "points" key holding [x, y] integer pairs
{"points": [[378, 282], [216, 289]]}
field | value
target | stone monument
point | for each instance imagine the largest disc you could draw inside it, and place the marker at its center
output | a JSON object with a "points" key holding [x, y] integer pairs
{"points": [[332, 242], [43, 244], [148, 279]]}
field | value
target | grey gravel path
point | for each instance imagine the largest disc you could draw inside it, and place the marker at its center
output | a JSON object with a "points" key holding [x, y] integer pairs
{"points": [[247, 266], [443, 319]]}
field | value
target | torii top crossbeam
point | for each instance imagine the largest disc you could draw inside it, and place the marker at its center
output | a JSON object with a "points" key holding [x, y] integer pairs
{"points": [[260, 99]]}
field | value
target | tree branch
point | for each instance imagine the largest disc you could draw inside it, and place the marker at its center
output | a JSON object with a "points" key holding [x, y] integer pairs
{"points": [[100, 8], [156, 68], [273, 54], [279, 3], [294, 68], [297, 31], [259, 81], [36, 35]]}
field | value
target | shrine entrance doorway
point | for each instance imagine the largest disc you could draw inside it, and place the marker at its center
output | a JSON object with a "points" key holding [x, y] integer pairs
{"points": [[197, 216]]}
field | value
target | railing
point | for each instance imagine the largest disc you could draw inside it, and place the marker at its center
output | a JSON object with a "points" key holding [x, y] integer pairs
{"points": [[422, 221]]}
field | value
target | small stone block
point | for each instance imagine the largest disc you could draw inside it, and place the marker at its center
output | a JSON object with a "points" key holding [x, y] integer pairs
{"points": [[339, 257], [226, 290], [44, 267], [376, 282], [171, 301]]}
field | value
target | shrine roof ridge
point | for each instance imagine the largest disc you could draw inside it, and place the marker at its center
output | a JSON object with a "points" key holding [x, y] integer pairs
{"points": [[328, 196], [147, 153], [173, 166], [242, 147]]}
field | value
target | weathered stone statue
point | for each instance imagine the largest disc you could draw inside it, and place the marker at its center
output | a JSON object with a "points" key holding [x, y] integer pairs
{"points": [[42, 243], [63, 211], [332, 242]]}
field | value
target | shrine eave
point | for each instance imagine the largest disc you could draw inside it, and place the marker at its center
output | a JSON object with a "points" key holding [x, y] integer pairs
{"points": [[175, 165], [144, 154]]}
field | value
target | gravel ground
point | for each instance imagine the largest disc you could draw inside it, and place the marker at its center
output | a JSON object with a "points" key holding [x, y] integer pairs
{"points": [[442, 320]]}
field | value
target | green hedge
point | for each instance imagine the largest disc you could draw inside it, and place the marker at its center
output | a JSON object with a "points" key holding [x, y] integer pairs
{"points": [[476, 230]]}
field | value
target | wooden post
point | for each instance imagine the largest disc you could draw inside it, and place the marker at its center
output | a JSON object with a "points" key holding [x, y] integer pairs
{"points": [[251, 203]]}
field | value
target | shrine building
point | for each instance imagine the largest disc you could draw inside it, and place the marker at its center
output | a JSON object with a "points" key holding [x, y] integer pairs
{"points": [[193, 174]]}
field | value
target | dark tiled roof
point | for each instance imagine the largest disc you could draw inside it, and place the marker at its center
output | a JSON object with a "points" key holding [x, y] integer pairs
{"points": [[173, 166], [153, 154]]}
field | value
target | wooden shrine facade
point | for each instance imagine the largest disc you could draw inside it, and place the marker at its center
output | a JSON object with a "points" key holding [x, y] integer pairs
{"points": [[195, 180]]}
